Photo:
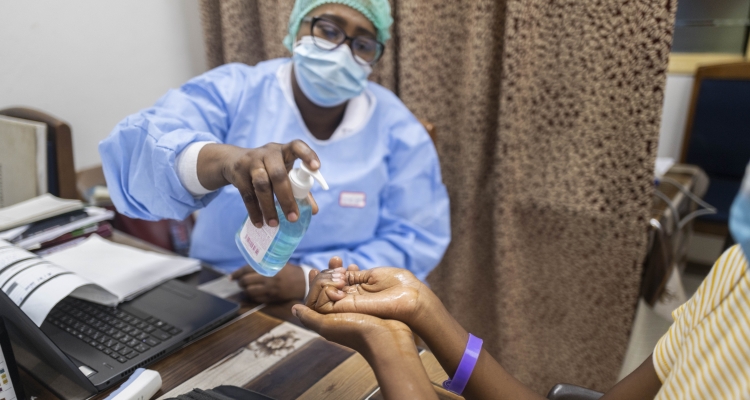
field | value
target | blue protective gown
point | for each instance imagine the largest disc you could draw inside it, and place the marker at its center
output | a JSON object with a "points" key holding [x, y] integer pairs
{"points": [[405, 219]]}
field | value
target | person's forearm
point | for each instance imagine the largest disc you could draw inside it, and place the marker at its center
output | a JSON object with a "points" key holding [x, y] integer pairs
{"points": [[643, 383], [443, 334], [447, 339], [400, 372], [211, 162]]}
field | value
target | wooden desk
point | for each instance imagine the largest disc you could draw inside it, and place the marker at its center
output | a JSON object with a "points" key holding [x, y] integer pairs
{"points": [[266, 351]]}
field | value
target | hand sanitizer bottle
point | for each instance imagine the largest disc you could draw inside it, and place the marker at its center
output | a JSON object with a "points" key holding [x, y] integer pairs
{"points": [[268, 249]]}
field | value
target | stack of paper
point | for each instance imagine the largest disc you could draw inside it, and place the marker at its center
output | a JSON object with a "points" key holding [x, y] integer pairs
{"points": [[36, 209], [64, 227], [122, 270]]}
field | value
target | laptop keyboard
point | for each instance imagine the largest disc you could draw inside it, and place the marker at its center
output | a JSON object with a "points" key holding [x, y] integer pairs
{"points": [[116, 333]]}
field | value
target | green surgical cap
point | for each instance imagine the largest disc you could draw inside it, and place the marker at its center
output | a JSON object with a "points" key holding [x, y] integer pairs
{"points": [[377, 11]]}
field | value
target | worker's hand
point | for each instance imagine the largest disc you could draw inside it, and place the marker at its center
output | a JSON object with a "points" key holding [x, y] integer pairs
{"points": [[363, 333], [258, 174], [287, 284]]}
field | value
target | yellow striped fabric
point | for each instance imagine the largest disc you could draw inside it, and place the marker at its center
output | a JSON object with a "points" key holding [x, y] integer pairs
{"points": [[706, 352]]}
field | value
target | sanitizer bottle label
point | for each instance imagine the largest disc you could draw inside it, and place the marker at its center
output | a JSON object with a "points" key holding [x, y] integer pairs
{"points": [[257, 240]]}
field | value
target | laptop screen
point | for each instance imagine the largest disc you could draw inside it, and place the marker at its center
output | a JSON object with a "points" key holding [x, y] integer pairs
{"points": [[10, 386], [6, 384]]}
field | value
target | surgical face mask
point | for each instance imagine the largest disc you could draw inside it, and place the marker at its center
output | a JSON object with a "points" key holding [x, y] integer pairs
{"points": [[739, 216], [328, 77]]}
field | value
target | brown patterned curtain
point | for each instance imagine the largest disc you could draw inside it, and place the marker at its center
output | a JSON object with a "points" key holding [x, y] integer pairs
{"points": [[548, 115]]}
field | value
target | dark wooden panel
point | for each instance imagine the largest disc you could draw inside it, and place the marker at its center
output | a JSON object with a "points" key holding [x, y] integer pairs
{"points": [[195, 358], [282, 311], [66, 174], [352, 379], [298, 372]]}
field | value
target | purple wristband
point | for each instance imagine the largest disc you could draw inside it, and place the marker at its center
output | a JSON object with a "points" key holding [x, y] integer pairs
{"points": [[465, 367]]}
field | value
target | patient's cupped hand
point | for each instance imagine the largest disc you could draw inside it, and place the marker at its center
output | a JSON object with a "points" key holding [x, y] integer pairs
{"points": [[363, 333]]}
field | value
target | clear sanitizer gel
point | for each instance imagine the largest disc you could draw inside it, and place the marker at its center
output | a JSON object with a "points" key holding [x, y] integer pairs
{"points": [[268, 249]]}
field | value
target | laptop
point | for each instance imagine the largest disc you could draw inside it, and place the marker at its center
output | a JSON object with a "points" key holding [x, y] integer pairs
{"points": [[83, 348], [10, 384]]}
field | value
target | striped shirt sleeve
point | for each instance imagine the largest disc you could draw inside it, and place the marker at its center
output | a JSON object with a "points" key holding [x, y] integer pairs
{"points": [[720, 281]]}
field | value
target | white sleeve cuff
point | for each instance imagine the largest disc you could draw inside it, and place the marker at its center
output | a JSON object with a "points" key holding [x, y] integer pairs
{"points": [[187, 169], [306, 270]]}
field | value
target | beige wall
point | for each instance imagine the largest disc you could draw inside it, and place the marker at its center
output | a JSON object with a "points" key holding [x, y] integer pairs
{"points": [[674, 116], [93, 62]]}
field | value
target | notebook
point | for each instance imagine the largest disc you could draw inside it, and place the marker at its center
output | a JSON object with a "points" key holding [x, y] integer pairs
{"points": [[23, 160]]}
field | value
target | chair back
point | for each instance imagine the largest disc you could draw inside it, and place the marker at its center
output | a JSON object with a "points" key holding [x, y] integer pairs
{"points": [[717, 137], [718, 128], [430, 128], [61, 176]]}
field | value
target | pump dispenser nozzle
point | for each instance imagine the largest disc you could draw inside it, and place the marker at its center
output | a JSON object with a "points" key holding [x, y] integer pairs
{"points": [[302, 181]]}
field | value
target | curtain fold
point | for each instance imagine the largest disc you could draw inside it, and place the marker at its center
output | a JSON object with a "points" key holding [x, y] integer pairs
{"points": [[547, 114]]}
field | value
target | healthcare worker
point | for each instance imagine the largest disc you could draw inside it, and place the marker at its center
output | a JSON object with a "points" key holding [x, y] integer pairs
{"points": [[225, 140]]}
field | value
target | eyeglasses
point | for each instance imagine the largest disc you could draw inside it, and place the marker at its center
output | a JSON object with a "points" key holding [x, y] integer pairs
{"points": [[366, 50]]}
